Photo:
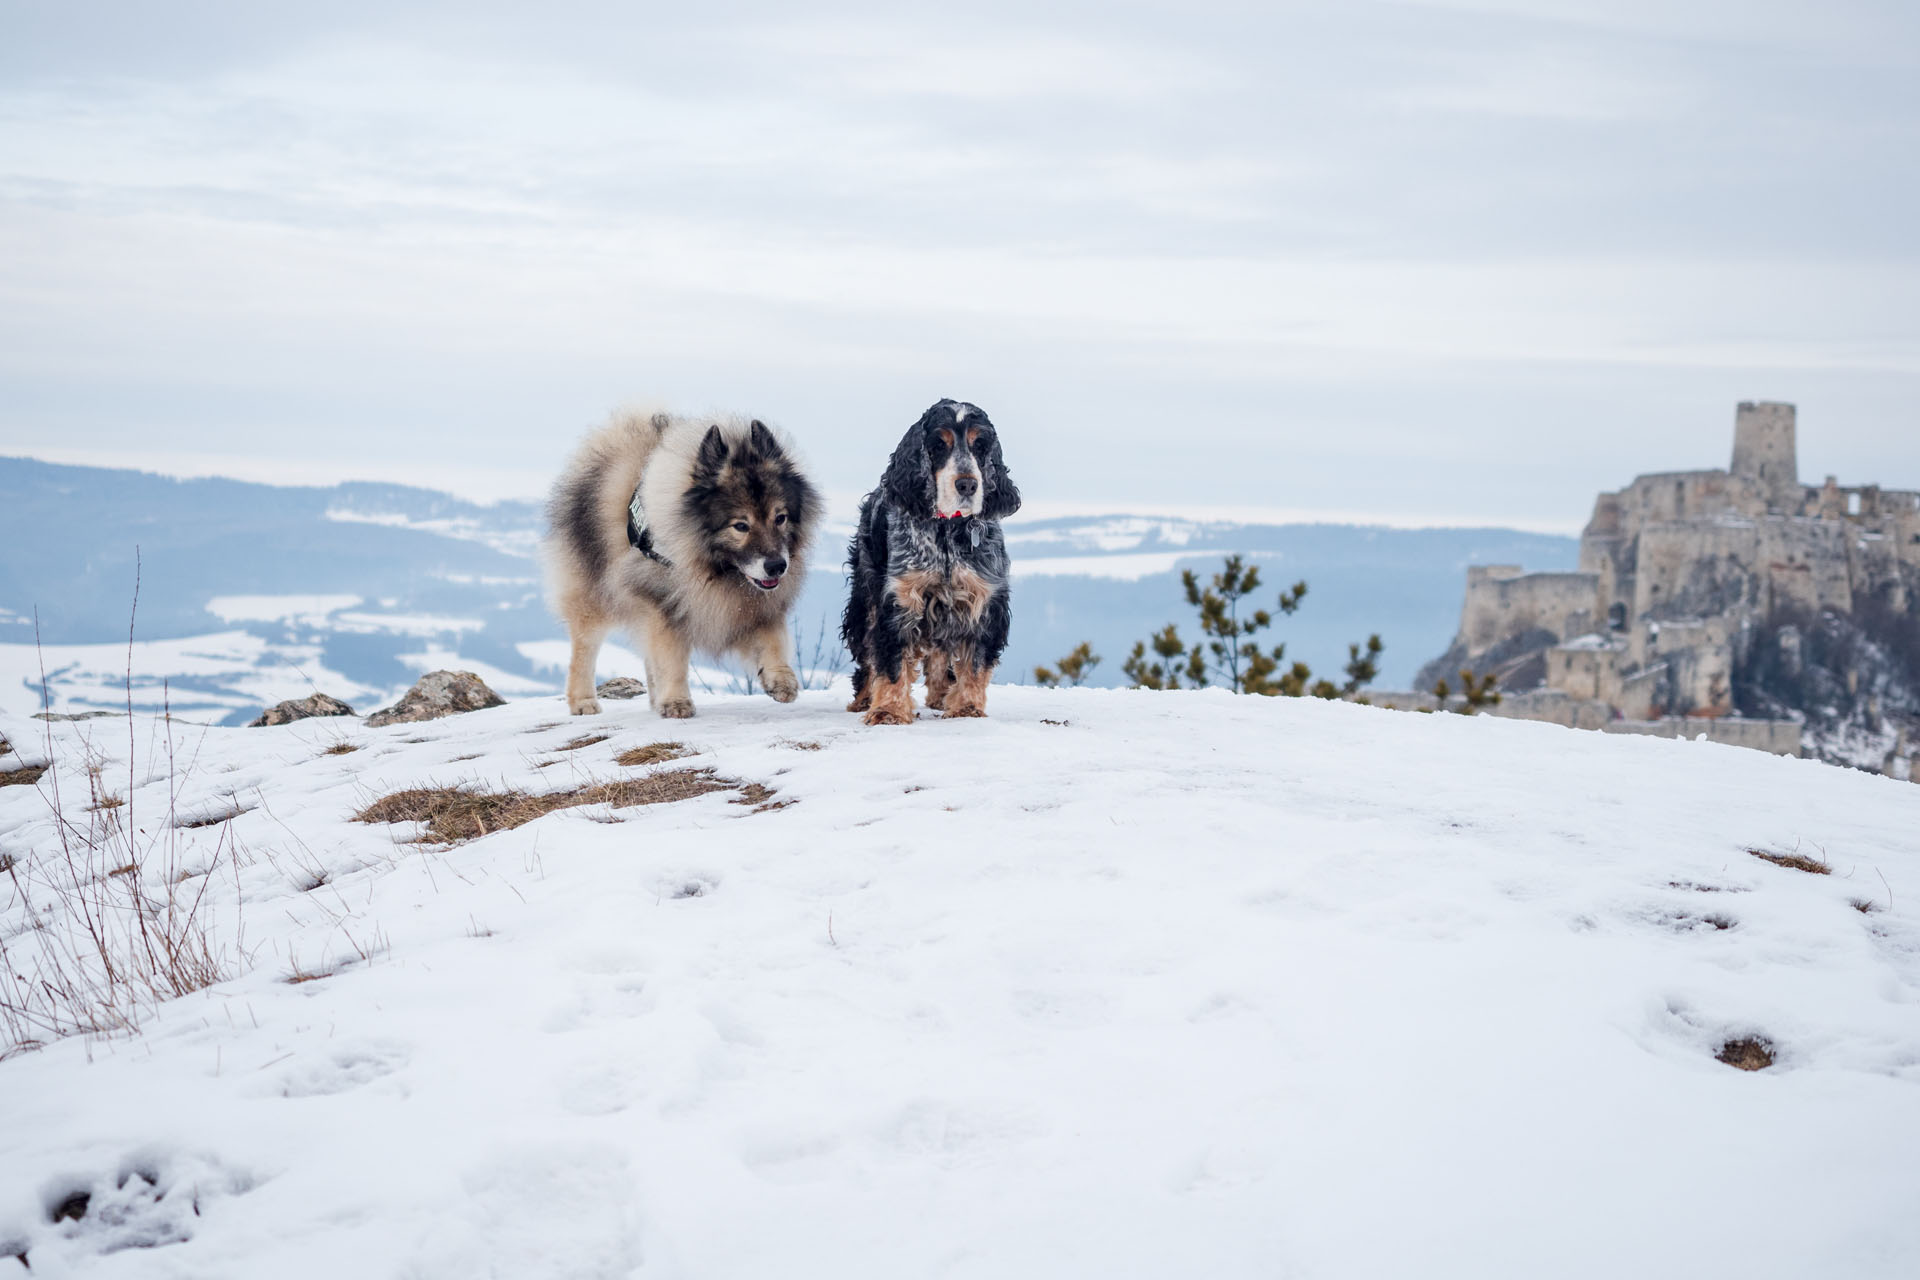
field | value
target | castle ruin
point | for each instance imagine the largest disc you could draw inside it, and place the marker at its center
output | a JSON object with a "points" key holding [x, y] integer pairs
{"points": [[1739, 604]]}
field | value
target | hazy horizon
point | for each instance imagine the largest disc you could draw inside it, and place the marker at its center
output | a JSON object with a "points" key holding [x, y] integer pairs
{"points": [[1436, 263]]}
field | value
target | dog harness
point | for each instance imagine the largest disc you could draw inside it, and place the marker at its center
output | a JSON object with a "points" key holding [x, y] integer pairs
{"points": [[638, 534]]}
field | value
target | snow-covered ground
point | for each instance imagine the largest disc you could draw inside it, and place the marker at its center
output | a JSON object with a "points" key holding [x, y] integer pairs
{"points": [[1109, 984]]}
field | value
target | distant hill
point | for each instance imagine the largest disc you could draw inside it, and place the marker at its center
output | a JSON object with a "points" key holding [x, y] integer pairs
{"points": [[252, 592]]}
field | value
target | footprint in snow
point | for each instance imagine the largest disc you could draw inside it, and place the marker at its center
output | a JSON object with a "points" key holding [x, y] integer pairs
{"points": [[152, 1199], [538, 1211], [338, 1068]]}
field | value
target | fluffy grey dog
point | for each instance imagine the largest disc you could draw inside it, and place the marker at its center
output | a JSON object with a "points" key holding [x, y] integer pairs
{"points": [[687, 533]]}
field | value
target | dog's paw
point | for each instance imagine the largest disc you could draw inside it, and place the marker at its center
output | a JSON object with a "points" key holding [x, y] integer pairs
{"points": [[584, 706], [888, 715], [677, 709], [860, 703], [781, 685], [965, 711]]}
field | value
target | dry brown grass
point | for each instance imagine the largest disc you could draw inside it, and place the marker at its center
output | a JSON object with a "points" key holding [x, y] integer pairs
{"points": [[122, 905], [585, 740], [1797, 861], [653, 753], [1748, 1053], [453, 814], [297, 975], [803, 746], [22, 777], [340, 749], [761, 798]]}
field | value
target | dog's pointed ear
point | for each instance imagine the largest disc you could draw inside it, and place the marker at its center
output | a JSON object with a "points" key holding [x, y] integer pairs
{"points": [[713, 451], [762, 441], [909, 478], [1002, 498]]}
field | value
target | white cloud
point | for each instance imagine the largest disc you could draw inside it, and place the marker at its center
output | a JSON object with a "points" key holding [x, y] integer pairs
{"points": [[1338, 231]]}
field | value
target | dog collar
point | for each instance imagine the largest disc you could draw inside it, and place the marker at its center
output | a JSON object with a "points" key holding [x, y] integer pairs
{"points": [[639, 536], [974, 524]]}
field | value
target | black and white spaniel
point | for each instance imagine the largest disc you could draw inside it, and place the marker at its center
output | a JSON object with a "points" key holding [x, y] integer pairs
{"points": [[930, 570]]}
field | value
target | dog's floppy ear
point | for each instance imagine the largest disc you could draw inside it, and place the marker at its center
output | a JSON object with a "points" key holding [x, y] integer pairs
{"points": [[909, 478], [762, 441], [1002, 497], [713, 452]]}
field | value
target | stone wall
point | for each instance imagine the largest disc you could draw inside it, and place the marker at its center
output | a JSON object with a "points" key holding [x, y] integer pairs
{"points": [[1781, 737], [1586, 670], [1807, 563], [1501, 601], [1681, 570], [1695, 568]]}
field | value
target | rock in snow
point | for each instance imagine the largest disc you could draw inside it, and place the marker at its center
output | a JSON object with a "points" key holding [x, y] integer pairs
{"points": [[22, 745], [1108, 984], [620, 687], [319, 704], [437, 694]]}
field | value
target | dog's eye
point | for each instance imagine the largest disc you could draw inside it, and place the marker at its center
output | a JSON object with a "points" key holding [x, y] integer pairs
{"points": [[740, 526], [781, 518]]}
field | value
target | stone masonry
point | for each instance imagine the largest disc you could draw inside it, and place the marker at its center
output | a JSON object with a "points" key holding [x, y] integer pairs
{"points": [[1681, 575]]}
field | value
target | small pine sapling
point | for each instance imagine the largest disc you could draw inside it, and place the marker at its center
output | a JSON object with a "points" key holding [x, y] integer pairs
{"points": [[1363, 667], [1479, 691], [1228, 651], [1074, 668], [1173, 662], [1236, 657]]}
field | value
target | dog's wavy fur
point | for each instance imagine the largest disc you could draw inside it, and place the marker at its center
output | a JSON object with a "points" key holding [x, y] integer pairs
{"points": [[924, 591], [699, 479]]}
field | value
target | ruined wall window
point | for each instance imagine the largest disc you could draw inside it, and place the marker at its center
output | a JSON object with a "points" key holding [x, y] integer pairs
{"points": [[1853, 504], [1617, 611]]}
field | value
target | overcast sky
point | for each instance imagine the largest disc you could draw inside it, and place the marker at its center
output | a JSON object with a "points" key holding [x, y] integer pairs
{"points": [[1415, 262]]}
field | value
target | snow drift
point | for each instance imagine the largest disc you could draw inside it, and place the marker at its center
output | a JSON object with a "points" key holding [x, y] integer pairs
{"points": [[1115, 984]]}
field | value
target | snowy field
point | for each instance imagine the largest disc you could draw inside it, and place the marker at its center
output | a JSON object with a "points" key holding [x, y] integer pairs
{"points": [[1110, 984]]}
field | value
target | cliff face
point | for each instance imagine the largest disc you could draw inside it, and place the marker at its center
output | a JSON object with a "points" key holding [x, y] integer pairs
{"points": [[1717, 593]]}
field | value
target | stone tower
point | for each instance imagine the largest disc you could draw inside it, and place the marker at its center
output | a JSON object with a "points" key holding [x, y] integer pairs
{"points": [[1763, 451]]}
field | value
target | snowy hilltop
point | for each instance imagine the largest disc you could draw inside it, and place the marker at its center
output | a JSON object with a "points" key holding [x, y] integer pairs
{"points": [[1108, 984]]}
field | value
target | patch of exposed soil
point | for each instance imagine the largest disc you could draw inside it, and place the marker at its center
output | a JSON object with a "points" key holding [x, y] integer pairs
{"points": [[653, 753], [761, 798], [211, 819], [1797, 861], [1749, 1053], [453, 814]]}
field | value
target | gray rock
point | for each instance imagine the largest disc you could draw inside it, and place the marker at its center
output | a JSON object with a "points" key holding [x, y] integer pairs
{"points": [[620, 687], [21, 748], [306, 708], [437, 694]]}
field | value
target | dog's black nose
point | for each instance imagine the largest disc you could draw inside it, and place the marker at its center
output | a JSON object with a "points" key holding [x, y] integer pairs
{"points": [[966, 486], [774, 566]]}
